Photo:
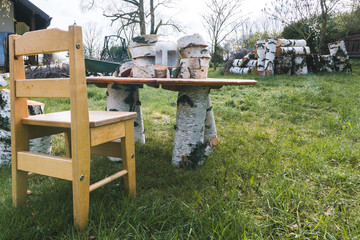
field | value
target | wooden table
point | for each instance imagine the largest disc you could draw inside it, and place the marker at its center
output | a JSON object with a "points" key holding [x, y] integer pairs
{"points": [[195, 130]]}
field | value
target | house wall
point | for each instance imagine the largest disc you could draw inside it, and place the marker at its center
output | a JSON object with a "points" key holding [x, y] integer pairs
{"points": [[7, 22]]}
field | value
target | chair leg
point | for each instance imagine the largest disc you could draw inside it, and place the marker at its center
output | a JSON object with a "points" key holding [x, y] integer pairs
{"points": [[81, 184], [19, 187], [128, 156]]}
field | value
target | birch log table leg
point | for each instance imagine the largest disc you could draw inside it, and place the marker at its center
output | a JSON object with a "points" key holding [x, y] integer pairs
{"points": [[189, 147], [126, 98]]}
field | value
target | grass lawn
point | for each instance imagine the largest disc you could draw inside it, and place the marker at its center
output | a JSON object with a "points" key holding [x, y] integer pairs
{"points": [[287, 166]]}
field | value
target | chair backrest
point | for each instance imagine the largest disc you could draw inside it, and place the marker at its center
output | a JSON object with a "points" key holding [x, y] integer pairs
{"points": [[74, 87]]}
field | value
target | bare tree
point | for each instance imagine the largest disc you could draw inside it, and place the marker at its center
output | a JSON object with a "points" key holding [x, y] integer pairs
{"points": [[326, 7], [222, 18], [134, 12], [92, 41], [350, 15]]}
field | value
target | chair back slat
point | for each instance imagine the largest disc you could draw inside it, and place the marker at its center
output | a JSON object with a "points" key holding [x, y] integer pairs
{"points": [[41, 42], [43, 88]]}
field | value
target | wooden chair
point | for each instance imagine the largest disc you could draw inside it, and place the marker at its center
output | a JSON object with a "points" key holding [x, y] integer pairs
{"points": [[85, 131]]}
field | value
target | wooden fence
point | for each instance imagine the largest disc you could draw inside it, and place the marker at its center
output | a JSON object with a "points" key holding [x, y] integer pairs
{"points": [[352, 44]]}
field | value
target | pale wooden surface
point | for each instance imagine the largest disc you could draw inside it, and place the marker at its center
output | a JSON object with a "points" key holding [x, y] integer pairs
{"points": [[107, 180], [211, 82], [41, 88], [128, 156], [40, 42], [81, 127], [19, 133], [63, 119], [111, 149], [44, 164], [107, 133]]}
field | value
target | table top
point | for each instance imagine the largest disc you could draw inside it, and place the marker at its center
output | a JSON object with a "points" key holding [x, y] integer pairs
{"points": [[211, 82]]}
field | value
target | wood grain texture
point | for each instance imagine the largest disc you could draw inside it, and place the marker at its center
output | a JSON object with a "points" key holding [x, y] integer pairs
{"points": [[45, 165], [19, 133], [41, 42], [128, 156], [107, 133], [45, 88], [107, 180], [111, 149], [63, 119]]}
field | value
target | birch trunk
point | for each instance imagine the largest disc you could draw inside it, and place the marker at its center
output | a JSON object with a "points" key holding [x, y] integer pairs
{"points": [[270, 56], [125, 98], [39, 145], [210, 134], [260, 50], [189, 146], [291, 43], [300, 65], [240, 70], [338, 49], [252, 64], [292, 50]]}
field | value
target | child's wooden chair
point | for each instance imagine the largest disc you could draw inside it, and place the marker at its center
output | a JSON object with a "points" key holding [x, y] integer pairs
{"points": [[85, 131]]}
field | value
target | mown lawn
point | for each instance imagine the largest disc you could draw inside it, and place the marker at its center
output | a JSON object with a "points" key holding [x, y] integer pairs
{"points": [[287, 166]]}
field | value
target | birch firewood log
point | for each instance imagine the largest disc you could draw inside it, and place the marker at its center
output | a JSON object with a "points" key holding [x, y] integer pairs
{"points": [[270, 56], [143, 40], [300, 65], [260, 49], [252, 63], [240, 70], [39, 145], [338, 49], [327, 63], [292, 50], [291, 43]]}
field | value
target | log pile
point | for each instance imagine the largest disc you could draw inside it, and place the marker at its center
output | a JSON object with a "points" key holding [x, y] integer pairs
{"points": [[245, 65], [292, 56], [39, 145], [195, 131]]}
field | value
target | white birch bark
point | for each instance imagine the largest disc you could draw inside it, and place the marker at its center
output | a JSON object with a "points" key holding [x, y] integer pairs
{"points": [[143, 51], [189, 147], [238, 63], [260, 51], [292, 50], [146, 71], [195, 52], [125, 98], [125, 69], [191, 41], [210, 133], [143, 40], [270, 56], [142, 61], [39, 145], [291, 43], [300, 65], [252, 63], [240, 70]]}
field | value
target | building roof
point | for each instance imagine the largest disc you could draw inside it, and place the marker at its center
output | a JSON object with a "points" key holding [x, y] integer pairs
{"points": [[24, 9]]}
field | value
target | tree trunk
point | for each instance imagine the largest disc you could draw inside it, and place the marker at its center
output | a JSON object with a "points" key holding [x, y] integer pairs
{"points": [[125, 98], [260, 50], [240, 70], [152, 17], [270, 57], [142, 18], [189, 146]]}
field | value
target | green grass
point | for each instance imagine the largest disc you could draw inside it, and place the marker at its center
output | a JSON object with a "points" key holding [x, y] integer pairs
{"points": [[287, 167]]}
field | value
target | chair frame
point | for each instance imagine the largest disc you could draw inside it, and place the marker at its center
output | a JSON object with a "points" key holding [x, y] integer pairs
{"points": [[81, 139]]}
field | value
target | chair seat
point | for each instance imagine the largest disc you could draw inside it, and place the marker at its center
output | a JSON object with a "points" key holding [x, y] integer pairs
{"points": [[63, 119]]}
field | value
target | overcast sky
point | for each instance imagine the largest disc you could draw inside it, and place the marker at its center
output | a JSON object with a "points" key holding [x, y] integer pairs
{"points": [[188, 12]]}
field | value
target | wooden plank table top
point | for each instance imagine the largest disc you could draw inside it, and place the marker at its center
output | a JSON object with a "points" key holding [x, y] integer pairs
{"points": [[212, 82]]}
